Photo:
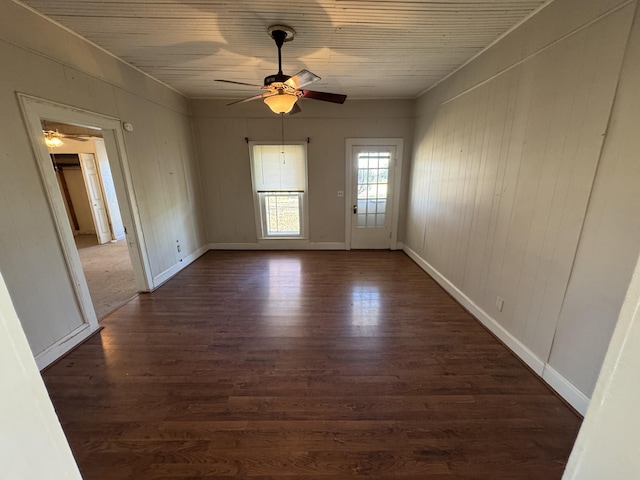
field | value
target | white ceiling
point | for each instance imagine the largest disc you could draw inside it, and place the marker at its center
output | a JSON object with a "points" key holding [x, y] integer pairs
{"points": [[365, 49]]}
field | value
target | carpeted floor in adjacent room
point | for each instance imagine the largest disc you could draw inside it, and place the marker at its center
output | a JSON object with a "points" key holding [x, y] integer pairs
{"points": [[108, 271]]}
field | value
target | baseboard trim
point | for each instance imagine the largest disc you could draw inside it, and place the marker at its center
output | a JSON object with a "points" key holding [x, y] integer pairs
{"points": [[566, 389], [186, 261], [561, 385], [530, 358], [279, 246], [64, 345]]}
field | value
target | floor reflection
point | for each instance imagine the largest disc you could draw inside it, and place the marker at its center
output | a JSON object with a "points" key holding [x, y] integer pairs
{"points": [[366, 304], [284, 288]]}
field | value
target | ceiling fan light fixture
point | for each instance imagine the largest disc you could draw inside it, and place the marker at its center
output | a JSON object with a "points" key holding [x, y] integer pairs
{"points": [[52, 139], [281, 102], [282, 91]]}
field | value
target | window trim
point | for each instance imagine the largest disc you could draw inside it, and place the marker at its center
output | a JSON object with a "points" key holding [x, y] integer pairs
{"points": [[258, 205]]}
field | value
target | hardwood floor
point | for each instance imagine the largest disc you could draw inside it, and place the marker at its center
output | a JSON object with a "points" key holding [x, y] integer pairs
{"points": [[314, 365]]}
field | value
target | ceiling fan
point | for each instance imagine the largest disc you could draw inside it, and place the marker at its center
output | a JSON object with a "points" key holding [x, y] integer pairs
{"points": [[281, 91], [53, 138]]}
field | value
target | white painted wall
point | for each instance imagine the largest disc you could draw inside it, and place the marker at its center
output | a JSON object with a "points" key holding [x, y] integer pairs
{"points": [[225, 167], [61, 67], [505, 157], [32, 443], [610, 241]]}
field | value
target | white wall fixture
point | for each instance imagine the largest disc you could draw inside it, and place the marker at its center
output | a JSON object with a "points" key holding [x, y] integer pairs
{"points": [[32, 443], [608, 443]]}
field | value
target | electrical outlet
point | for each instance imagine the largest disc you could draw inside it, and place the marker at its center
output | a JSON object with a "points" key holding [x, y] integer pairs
{"points": [[499, 303], [179, 248], [340, 193]]}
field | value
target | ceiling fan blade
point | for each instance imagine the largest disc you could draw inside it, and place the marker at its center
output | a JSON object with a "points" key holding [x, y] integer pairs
{"points": [[302, 78], [296, 109], [255, 97], [238, 83], [75, 137], [324, 96]]}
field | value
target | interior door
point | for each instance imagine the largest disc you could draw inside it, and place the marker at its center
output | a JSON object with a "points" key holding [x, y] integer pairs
{"points": [[372, 170], [96, 197]]}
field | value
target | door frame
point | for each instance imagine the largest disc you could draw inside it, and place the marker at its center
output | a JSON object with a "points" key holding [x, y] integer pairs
{"points": [[397, 182], [34, 110]]}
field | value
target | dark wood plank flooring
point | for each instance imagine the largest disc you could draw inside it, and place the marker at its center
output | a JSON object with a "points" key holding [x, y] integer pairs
{"points": [[327, 365]]}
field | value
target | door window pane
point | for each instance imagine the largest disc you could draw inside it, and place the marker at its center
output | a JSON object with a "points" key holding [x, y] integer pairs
{"points": [[373, 177]]}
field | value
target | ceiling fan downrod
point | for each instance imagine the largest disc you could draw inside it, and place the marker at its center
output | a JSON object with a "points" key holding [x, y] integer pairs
{"points": [[280, 34]]}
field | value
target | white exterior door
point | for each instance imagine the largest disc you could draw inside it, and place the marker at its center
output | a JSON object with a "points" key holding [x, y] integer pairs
{"points": [[96, 197], [372, 184]]}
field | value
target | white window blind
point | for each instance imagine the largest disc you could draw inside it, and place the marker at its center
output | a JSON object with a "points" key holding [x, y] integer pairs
{"points": [[279, 168], [279, 175]]}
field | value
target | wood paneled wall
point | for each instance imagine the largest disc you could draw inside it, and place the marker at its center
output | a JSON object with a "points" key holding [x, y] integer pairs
{"points": [[610, 241], [61, 67], [505, 155]]}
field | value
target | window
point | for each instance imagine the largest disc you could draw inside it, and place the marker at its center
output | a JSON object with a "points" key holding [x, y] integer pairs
{"points": [[279, 175]]}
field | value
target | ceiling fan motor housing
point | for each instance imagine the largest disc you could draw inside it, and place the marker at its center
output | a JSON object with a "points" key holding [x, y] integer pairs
{"points": [[277, 77]]}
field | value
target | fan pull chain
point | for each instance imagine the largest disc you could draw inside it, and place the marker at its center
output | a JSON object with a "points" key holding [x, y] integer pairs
{"points": [[284, 158]]}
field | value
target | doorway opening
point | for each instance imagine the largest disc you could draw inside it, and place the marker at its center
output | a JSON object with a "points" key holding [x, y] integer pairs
{"points": [[83, 172], [35, 110]]}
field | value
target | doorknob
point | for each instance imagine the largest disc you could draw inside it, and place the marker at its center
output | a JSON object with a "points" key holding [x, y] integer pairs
{"points": [[355, 209]]}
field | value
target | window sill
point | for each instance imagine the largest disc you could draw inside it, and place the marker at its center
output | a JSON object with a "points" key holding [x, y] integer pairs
{"points": [[283, 239]]}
